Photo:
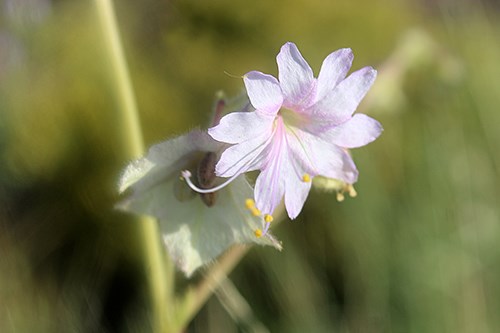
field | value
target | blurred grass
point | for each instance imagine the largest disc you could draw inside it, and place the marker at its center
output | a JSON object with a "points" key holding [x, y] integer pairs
{"points": [[416, 251]]}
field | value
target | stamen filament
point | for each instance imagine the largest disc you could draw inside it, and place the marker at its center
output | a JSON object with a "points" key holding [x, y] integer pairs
{"points": [[255, 211], [186, 174], [352, 191], [266, 228]]}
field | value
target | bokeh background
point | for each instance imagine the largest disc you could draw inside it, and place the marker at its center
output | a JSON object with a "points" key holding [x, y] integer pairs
{"points": [[417, 251]]}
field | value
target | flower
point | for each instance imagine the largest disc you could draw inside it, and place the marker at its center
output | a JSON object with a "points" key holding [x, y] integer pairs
{"points": [[195, 228], [301, 127]]}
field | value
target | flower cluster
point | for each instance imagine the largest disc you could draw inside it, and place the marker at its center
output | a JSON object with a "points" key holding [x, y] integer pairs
{"points": [[296, 128]]}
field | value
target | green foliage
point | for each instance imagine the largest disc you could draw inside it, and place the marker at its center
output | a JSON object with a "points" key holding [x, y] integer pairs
{"points": [[415, 251]]}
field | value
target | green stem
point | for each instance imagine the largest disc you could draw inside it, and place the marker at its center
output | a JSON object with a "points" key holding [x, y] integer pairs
{"points": [[125, 93], [197, 295], [159, 269]]}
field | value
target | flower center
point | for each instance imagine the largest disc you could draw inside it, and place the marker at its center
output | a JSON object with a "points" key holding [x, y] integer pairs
{"points": [[292, 118]]}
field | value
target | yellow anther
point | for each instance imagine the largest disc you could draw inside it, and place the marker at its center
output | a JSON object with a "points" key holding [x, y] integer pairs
{"points": [[255, 211], [352, 191], [268, 218], [306, 178], [258, 233], [340, 196], [249, 203]]}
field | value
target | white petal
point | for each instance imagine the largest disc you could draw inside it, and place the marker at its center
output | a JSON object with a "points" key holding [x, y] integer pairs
{"points": [[270, 187], [360, 130], [242, 157], [270, 184], [264, 92], [237, 127], [296, 192], [295, 76], [319, 157], [333, 70], [338, 105], [349, 173]]}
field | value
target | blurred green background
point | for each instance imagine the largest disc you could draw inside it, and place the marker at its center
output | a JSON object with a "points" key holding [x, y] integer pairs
{"points": [[417, 251]]}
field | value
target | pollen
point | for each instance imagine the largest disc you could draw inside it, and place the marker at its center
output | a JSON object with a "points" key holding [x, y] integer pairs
{"points": [[258, 233], [249, 203], [352, 192], [268, 218], [255, 211], [306, 178]]}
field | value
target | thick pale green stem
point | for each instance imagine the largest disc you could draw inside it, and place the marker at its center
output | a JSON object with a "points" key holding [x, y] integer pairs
{"points": [[159, 269], [119, 71]]}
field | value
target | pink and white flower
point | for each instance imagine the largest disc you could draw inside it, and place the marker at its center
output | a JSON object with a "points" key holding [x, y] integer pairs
{"points": [[301, 127]]}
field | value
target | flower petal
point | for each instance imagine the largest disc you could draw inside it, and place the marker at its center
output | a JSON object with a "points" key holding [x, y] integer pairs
{"points": [[338, 105], [296, 191], [349, 173], [333, 70], [360, 130], [295, 76], [270, 187], [242, 157], [237, 127], [319, 157], [270, 184], [263, 91]]}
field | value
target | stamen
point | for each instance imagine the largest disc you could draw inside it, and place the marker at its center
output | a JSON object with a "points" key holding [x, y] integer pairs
{"points": [[340, 196], [268, 218], [186, 174], [266, 228], [352, 191], [255, 211], [258, 233], [249, 203], [306, 178]]}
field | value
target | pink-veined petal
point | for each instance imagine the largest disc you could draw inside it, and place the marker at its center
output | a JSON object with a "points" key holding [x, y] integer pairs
{"points": [[338, 105], [242, 157], [237, 127], [358, 131], [269, 190], [349, 172], [296, 190], [296, 77], [333, 70], [270, 184], [319, 157], [263, 91]]}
